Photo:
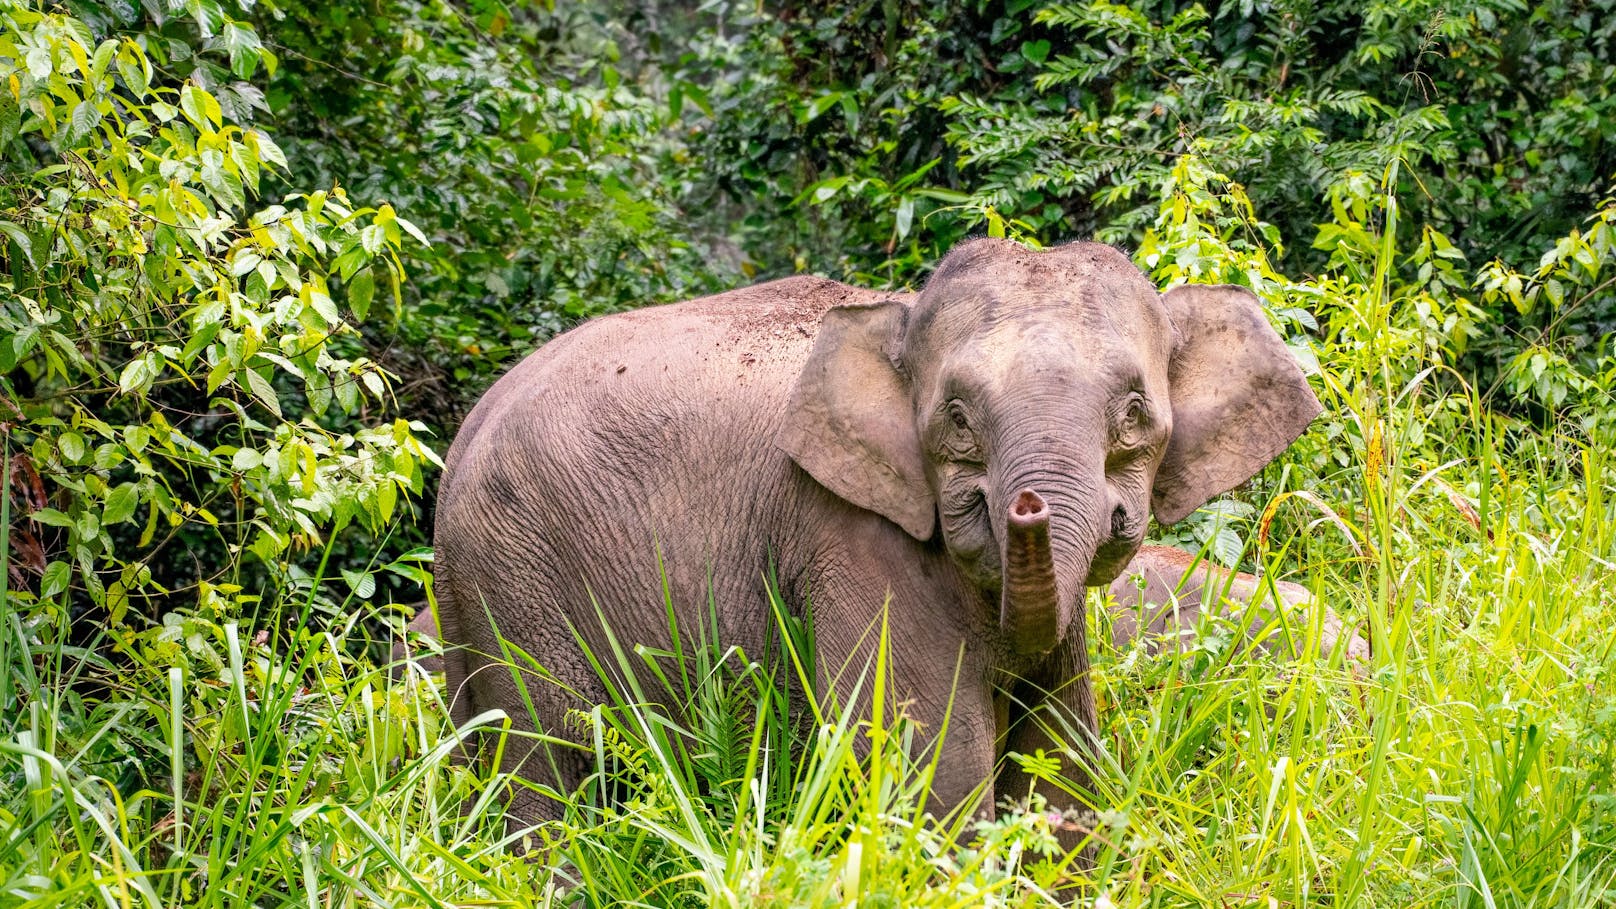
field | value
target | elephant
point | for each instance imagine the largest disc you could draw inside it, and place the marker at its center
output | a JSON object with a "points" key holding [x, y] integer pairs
{"points": [[969, 458], [1163, 592]]}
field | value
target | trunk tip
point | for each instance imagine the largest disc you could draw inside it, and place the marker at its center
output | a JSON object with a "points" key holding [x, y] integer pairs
{"points": [[1028, 506]]}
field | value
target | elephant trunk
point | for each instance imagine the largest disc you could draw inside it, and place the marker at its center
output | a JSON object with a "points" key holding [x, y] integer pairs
{"points": [[1030, 604], [1036, 611]]}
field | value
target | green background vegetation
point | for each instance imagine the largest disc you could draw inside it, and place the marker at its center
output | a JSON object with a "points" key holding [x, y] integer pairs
{"points": [[257, 260]]}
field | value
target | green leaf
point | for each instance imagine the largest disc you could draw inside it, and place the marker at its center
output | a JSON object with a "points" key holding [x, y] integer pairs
{"points": [[224, 186], [10, 118], [201, 108], [137, 376], [243, 262], [206, 13], [268, 151], [38, 61], [18, 236], [117, 603], [361, 290], [1227, 546], [318, 391], [995, 225], [108, 456], [363, 584], [81, 122], [263, 391], [386, 501], [72, 446], [52, 517], [246, 163], [346, 388], [243, 44], [413, 231], [135, 70], [103, 58], [121, 503], [55, 579], [322, 303], [373, 238], [1555, 291]]}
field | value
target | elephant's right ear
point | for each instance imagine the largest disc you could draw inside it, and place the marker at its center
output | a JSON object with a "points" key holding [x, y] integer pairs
{"points": [[1239, 399], [849, 422]]}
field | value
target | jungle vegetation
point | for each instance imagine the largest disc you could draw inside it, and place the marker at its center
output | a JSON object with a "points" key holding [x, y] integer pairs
{"points": [[258, 257]]}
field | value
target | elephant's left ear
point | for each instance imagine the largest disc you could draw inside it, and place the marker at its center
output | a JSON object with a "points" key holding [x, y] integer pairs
{"points": [[1239, 398], [850, 423]]}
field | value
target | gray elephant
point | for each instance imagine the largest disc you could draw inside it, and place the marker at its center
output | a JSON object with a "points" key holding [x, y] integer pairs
{"points": [[1164, 592], [979, 452]]}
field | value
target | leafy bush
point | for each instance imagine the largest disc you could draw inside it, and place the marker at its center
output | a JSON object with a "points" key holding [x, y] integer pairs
{"points": [[531, 162], [172, 356], [889, 133]]}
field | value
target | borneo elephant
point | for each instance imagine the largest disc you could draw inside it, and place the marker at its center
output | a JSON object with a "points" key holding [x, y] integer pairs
{"points": [[1163, 592], [980, 452]]}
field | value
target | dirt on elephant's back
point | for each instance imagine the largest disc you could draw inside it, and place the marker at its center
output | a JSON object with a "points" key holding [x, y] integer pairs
{"points": [[791, 308]]}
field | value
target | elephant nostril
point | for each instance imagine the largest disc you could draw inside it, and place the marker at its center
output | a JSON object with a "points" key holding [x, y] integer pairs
{"points": [[1029, 506], [1119, 521]]}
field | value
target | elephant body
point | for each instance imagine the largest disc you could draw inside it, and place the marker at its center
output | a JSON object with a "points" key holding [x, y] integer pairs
{"points": [[1164, 591], [971, 456], [587, 466]]}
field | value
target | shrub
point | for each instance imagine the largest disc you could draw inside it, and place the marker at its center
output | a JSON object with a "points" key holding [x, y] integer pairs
{"points": [[187, 406]]}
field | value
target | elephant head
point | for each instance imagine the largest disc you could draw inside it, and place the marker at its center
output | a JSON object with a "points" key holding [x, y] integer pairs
{"points": [[1038, 406]]}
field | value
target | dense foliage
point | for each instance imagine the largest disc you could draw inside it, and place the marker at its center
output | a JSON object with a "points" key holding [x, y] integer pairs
{"points": [[186, 394], [256, 259]]}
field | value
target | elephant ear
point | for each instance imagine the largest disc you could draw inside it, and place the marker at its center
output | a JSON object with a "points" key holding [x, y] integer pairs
{"points": [[1239, 398], [849, 421]]}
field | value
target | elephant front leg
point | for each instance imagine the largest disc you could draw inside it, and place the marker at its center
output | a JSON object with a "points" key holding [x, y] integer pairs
{"points": [[1048, 713], [963, 761], [953, 729]]}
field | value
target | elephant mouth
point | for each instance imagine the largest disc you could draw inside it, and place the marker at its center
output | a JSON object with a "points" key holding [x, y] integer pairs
{"points": [[1109, 559]]}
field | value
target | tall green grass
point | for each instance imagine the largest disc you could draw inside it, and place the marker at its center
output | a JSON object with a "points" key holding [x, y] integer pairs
{"points": [[1469, 765]]}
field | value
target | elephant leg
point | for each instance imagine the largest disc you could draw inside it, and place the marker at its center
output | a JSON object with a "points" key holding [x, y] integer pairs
{"points": [[964, 758], [954, 729], [425, 627], [545, 755], [939, 685], [1047, 714]]}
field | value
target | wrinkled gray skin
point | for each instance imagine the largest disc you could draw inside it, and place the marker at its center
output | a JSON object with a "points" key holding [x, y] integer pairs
{"points": [[981, 451]]}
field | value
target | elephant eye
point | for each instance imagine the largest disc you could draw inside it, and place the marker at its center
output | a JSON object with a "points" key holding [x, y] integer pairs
{"points": [[1137, 413], [957, 441], [956, 414], [1132, 419]]}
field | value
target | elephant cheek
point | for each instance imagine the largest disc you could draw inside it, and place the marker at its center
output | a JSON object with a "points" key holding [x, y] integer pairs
{"points": [[1125, 518], [968, 531]]}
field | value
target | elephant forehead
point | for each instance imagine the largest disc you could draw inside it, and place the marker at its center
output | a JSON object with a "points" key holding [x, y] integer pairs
{"points": [[1073, 305], [997, 370], [1000, 259], [1045, 338]]}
